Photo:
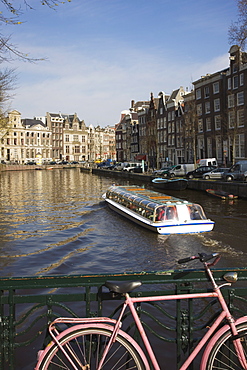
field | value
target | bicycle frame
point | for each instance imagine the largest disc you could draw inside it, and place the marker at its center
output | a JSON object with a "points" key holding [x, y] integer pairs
{"points": [[130, 302], [115, 325]]}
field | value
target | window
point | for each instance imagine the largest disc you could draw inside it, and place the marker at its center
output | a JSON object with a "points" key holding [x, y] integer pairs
{"points": [[208, 124], [241, 79], [209, 147], [231, 120], [235, 82], [67, 138], [161, 110], [75, 138], [77, 149], [207, 107], [217, 122], [198, 94], [216, 87], [67, 149], [173, 139], [229, 84], [239, 142], [216, 105], [200, 125], [240, 117], [206, 92], [240, 98], [199, 109], [230, 101], [218, 147]]}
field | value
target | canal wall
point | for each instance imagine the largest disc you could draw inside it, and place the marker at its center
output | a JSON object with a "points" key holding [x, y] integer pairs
{"points": [[24, 167], [236, 188]]}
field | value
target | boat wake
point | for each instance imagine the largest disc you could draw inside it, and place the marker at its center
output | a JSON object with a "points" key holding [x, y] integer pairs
{"points": [[224, 249]]}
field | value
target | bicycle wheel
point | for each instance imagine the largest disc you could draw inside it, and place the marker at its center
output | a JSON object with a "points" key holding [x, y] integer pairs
{"points": [[85, 346], [223, 354]]}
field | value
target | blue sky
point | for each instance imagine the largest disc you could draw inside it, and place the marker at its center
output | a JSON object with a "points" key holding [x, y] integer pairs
{"points": [[101, 54]]}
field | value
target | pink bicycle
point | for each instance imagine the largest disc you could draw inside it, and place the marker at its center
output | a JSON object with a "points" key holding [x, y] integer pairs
{"points": [[99, 343]]}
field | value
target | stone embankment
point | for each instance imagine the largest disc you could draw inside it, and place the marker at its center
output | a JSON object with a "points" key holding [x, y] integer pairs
{"points": [[236, 188], [24, 167]]}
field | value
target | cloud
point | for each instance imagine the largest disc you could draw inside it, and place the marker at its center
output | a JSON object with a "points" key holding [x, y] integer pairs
{"points": [[98, 85]]}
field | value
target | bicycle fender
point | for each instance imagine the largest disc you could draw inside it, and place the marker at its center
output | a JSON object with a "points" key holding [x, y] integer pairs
{"points": [[214, 339], [100, 325]]}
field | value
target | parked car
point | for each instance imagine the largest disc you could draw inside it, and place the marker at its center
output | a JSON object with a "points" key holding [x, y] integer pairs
{"points": [[208, 162], [62, 162], [129, 167], [216, 174], [139, 169], [163, 171], [237, 172], [181, 169], [199, 172], [30, 163]]}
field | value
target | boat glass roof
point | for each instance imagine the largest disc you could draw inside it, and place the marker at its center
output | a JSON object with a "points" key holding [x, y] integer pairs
{"points": [[146, 197]]}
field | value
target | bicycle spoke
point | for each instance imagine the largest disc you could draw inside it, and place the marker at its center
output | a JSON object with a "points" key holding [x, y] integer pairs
{"points": [[83, 350]]}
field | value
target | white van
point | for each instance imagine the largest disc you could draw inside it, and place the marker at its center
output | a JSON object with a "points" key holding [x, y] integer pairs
{"points": [[181, 169], [129, 167], [208, 162]]}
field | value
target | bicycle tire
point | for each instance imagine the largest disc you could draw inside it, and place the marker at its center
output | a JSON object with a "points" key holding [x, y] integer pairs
{"points": [[223, 354], [85, 346]]}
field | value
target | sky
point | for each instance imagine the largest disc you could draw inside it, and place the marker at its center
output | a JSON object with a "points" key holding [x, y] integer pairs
{"points": [[101, 54]]}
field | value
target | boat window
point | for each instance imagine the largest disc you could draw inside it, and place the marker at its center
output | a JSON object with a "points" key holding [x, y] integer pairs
{"points": [[160, 214], [171, 213], [196, 212], [166, 213]]}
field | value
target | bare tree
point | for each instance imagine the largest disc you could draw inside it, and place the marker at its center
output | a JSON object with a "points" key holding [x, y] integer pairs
{"points": [[7, 84], [237, 32], [12, 15], [190, 124]]}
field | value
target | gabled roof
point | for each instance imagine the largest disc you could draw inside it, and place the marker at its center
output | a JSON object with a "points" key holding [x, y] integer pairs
{"points": [[32, 122]]}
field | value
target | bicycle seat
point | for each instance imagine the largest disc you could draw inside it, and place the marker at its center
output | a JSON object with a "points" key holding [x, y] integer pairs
{"points": [[122, 286]]}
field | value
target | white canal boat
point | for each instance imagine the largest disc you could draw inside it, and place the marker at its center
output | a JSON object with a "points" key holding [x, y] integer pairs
{"points": [[158, 212]]}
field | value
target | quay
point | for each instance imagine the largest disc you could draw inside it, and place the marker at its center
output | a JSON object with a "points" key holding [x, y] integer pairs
{"points": [[235, 187]]}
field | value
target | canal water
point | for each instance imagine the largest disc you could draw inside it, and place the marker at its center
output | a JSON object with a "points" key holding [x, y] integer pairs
{"points": [[54, 222]]}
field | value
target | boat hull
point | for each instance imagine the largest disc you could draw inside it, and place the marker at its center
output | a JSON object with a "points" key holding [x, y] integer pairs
{"points": [[165, 184], [221, 194], [163, 228]]}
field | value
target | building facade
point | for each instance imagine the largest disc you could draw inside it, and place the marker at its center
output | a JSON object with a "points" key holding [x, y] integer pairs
{"points": [[209, 121], [54, 137]]}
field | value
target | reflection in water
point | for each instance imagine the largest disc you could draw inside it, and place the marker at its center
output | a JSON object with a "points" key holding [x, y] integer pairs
{"points": [[55, 222]]}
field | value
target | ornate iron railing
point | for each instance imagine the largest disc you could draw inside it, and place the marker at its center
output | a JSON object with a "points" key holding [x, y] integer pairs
{"points": [[27, 305]]}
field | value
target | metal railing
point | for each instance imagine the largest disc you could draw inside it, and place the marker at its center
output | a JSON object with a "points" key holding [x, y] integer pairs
{"points": [[28, 304]]}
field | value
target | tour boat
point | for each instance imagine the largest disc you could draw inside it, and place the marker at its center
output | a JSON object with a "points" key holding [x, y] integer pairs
{"points": [[158, 212]]}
